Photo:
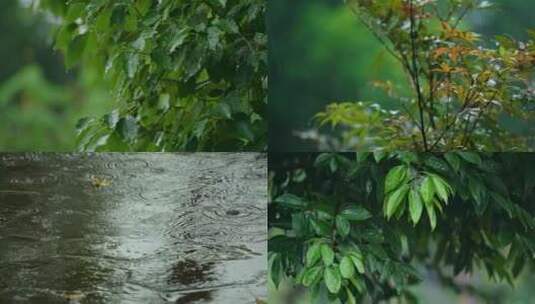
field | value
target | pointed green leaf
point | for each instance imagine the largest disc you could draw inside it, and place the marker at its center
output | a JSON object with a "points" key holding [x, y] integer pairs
{"points": [[453, 160], [312, 275], [327, 254], [333, 280], [395, 200], [75, 50], [313, 254], [427, 189], [429, 206], [470, 157], [356, 213], [342, 226], [347, 269], [379, 156], [275, 269], [441, 187], [350, 297], [415, 205], [394, 178], [358, 262], [358, 283]]}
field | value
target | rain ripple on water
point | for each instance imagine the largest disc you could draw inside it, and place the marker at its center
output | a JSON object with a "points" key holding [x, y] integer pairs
{"points": [[133, 228]]}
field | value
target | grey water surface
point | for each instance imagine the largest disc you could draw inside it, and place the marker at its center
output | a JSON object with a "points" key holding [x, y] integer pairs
{"points": [[133, 228]]}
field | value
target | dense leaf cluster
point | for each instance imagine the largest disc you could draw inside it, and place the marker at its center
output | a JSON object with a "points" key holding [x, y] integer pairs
{"points": [[368, 226], [462, 86], [187, 75]]}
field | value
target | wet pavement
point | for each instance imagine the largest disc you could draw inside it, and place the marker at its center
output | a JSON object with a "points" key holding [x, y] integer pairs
{"points": [[133, 228]]}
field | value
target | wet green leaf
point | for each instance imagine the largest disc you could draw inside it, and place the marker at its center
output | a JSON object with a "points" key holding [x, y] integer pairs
{"points": [[395, 199], [347, 269], [342, 226], [415, 205], [327, 254], [427, 189], [313, 254], [395, 177], [356, 213], [312, 275], [291, 201], [333, 279], [358, 262]]}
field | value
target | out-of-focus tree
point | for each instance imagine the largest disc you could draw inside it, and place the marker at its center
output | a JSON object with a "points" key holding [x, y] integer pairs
{"points": [[39, 102], [318, 52]]}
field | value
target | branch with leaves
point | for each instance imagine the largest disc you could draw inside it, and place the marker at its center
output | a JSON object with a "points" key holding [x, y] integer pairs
{"points": [[186, 75], [365, 227], [462, 87]]}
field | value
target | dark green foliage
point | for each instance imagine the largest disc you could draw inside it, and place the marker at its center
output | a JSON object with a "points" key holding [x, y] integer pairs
{"points": [[187, 75], [367, 227]]}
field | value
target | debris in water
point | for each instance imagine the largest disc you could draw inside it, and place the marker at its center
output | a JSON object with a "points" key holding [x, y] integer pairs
{"points": [[99, 182]]}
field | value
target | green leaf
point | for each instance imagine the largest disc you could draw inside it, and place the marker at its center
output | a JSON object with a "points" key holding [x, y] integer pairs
{"points": [[379, 156], [415, 205], [358, 262], [453, 160], [179, 38], [275, 268], [327, 254], [395, 200], [291, 201], [395, 177], [356, 213], [224, 110], [430, 208], [132, 64], [342, 226], [333, 164], [358, 283], [313, 254], [163, 102], [323, 159], [128, 127], [321, 227], [214, 35], [75, 50], [333, 280], [312, 275], [441, 187], [347, 269], [427, 189], [350, 297], [470, 157]]}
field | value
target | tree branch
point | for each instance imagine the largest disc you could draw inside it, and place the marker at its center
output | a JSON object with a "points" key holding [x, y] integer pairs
{"points": [[415, 76]]}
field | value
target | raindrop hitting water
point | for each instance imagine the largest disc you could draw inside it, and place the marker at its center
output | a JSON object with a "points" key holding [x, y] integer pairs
{"points": [[131, 228]]}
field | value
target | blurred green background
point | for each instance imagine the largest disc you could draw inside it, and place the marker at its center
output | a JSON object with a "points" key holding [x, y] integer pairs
{"points": [[40, 101], [320, 53]]}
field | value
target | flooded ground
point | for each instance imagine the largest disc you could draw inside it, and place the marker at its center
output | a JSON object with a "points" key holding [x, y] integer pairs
{"points": [[133, 228]]}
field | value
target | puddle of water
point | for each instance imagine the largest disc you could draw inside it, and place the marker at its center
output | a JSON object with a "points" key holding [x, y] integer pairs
{"points": [[133, 228]]}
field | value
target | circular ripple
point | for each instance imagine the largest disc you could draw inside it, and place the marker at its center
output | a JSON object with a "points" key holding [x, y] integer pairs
{"points": [[127, 164]]}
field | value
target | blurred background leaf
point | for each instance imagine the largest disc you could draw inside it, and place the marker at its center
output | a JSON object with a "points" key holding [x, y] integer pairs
{"points": [[40, 100]]}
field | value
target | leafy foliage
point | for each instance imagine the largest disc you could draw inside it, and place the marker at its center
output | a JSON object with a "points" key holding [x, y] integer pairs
{"points": [[461, 88], [366, 226], [187, 75]]}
